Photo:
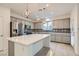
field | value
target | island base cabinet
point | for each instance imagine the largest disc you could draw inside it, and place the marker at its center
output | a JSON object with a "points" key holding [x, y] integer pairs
{"points": [[46, 41], [36, 47], [22, 50], [30, 50]]}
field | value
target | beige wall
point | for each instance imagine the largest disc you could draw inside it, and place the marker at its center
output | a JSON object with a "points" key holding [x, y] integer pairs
{"points": [[5, 14]]}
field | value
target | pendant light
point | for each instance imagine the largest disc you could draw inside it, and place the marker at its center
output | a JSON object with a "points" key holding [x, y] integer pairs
{"points": [[27, 11]]}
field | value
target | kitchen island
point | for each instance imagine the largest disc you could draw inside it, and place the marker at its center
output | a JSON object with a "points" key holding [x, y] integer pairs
{"points": [[27, 45]]}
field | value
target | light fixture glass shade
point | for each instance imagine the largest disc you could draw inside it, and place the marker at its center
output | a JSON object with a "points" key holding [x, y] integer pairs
{"points": [[27, 12]]}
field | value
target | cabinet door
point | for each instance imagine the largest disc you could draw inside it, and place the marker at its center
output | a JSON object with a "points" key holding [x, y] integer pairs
{"points": [[30, 50], [52, 37], [66, 39], [22, 50], [36, 47], [58, 38], [18, 50]]}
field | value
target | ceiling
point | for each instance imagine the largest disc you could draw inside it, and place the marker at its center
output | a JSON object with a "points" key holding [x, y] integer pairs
{"points": [[52, 9]]}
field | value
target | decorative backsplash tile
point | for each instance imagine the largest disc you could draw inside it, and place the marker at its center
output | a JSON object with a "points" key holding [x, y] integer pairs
{"points": [[62, 30]]}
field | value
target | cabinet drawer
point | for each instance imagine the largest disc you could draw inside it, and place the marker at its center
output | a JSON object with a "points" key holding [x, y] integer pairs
{"points": [[58, 38], [66, 39]]}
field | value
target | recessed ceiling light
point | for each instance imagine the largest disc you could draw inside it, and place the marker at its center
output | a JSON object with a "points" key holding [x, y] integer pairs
{"points": [[47, 19]]}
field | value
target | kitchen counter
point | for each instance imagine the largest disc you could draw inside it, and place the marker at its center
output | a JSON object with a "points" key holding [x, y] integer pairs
{"points": [[28, 39], [28, 44]]}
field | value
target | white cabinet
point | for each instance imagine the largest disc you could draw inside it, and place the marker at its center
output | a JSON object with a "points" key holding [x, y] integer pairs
{"points": [[66, 39], [53, 38], [61, 37], [36, 47], [19, 49], [28, 47], [23, 50], [46, 41], [58, 38]]}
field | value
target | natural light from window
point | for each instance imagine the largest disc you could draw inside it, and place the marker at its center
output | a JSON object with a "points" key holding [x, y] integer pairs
{"points": [[47, 25]]}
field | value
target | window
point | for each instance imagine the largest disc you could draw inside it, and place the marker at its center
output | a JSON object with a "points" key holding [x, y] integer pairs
{"points": [[47, 26]]}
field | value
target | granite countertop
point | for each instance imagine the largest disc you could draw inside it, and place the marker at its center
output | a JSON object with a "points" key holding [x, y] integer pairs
{"points": [[28, 39]]}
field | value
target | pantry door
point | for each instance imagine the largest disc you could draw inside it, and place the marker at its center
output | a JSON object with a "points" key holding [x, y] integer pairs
{"points": [[1, 33]]}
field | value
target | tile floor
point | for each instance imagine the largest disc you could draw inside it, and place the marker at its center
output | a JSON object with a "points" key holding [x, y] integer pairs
{"points": [[60, 49], [57, 49]]}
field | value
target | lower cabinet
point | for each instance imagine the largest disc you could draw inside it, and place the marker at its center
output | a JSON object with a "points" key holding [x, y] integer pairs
{"points": [[36, 47], [53, 37], [30, 50], [58, 38], [61, 37], [66, 39], [20, 50]]}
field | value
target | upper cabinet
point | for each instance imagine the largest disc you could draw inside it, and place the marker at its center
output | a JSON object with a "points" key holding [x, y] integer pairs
{"points": [[61, 23], [19, 26]]}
